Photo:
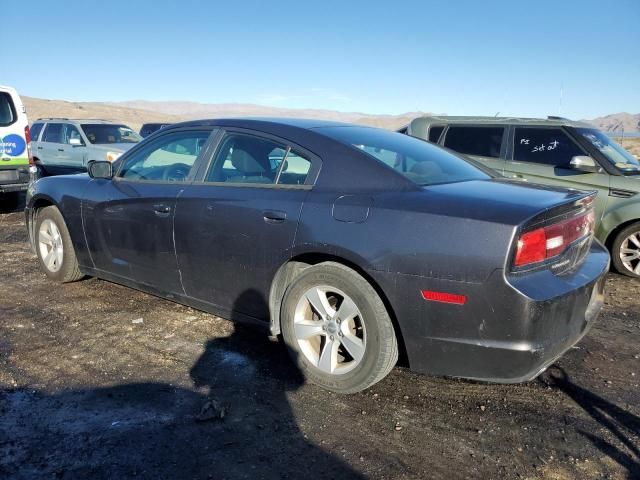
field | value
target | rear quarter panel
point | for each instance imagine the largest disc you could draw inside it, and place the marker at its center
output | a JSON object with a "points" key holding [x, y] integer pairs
{"points": [[65, 192]]}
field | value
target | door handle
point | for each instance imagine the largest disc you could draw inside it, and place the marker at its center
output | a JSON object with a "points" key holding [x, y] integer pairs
{"points": [[162, 210], [61, 149], [274, 216], [39, 148]]}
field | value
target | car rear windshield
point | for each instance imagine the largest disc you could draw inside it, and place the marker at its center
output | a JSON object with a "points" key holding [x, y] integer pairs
{"points": [[616, 154], [7, 110], [105, 133], [419, 161]]}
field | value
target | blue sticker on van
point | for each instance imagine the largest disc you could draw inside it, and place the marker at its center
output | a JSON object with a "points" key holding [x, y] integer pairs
{"points": [[12, 145]]}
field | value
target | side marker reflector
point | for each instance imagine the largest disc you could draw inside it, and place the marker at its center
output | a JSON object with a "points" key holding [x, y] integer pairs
{"points": [[444, 297]]}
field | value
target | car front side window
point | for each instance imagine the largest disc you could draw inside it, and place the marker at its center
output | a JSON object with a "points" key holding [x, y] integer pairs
{"points": [[168, 158], [547, 146]]}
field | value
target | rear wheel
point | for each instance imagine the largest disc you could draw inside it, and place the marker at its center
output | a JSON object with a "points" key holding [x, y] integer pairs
{"points": [[625, 252], [338, 329], [54, 248]]}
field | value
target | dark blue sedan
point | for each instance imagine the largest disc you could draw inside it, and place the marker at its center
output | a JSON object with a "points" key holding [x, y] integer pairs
{"points": [[354, 243]]}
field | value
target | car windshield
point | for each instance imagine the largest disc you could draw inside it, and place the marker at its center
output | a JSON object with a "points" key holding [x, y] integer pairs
{"points": [[105, 133], [419, 161], [618, 156]]}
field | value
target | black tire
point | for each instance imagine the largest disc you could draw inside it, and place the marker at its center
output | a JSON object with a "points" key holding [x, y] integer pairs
{"points": [[68, 270], [616, 247], [381, 346]]}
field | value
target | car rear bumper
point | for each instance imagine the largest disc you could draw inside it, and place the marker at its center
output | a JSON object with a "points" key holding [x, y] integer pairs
{"points": [[14, 178], [510, 329]]}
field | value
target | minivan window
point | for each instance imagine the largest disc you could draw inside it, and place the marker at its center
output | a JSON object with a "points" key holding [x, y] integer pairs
{"points": [[479, 141], [53, 133], [548, 146], [7, 110], [421, 162], [35, 130], [435, 132], [615, 153]]}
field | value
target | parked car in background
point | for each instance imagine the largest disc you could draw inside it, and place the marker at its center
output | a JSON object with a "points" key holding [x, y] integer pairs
{"points": [[353, 242], [555, 151], [62, 145], [15, 148], [149, 128]]}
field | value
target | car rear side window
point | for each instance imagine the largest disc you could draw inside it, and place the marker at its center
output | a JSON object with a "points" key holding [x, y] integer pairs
{"points": [[53, 133], [7, 110], [435, 132], [419, 161], [480, 141], [35, 130], [247, 159], [547, 146]]}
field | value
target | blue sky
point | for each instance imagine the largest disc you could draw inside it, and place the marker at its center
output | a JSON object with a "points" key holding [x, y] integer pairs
{"points": [[455, 57]]}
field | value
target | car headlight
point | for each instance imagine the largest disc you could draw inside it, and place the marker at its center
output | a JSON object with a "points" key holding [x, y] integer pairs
{"points": [[112, 156]]}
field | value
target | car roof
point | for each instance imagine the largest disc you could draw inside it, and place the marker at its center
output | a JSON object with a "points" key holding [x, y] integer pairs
{"points": [[549, 121], [256, 122]]}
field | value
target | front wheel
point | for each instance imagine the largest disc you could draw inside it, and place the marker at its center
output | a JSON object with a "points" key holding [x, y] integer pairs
{"points": [[625, 253], [338, 329], [54, 247]]}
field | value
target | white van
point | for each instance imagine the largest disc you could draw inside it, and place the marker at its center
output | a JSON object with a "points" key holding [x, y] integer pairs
{"points": [[15, 148]]}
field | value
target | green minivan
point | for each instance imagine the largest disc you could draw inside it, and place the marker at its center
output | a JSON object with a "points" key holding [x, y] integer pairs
{"points": [[554, 151]]}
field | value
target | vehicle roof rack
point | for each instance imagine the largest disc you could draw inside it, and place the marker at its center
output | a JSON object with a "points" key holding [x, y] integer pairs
{"points": [[74, 119], [555, 117]]}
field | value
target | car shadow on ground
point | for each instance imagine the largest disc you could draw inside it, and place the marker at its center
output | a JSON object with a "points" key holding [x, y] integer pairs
{"points": [[158, 430], [621, 424], [11, 203]]}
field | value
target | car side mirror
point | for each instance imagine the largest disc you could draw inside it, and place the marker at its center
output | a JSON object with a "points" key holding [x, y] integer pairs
{"points": [[584, 163], [100, 169], [76, 142]]}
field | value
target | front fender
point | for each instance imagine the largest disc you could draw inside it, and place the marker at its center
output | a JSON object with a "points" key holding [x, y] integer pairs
{"points": [[626, 211]]}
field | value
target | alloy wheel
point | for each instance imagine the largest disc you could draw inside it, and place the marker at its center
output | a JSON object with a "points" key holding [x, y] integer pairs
{"points": [[330, 330], [50, 245], [630, 253]]}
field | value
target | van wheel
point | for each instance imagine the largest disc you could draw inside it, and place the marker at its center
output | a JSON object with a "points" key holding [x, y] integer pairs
{"points": [[625, 253], [54, 248], [337, 329]]}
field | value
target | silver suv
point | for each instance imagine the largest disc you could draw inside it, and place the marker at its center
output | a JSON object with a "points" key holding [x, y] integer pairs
{"points": [[62, 145]]}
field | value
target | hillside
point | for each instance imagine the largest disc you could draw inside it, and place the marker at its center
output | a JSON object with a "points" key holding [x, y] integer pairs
{"points": [[135, 113], [133, 117], [616, 122]]}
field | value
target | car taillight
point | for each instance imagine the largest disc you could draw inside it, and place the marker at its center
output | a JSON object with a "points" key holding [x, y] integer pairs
{"points": [[27, 138], [552, 240]]}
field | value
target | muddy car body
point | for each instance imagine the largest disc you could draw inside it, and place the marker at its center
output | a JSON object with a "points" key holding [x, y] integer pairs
{"points": [[355, 243]]}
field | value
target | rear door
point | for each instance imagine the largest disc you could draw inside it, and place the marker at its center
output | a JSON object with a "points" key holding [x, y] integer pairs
{"points": [[542, 155], [51, 149], [485, 144], [236, 226], [128, 219]]}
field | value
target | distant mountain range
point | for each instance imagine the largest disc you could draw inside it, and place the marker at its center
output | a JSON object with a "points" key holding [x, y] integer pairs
{"points": [[135, 113], [617, 122]]}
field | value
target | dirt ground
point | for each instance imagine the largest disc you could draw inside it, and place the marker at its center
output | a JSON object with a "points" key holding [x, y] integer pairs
{"points": [[100, 381]]}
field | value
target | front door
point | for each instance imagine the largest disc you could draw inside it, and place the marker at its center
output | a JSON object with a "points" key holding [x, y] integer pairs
{"points": [[235, 227], [128, 220], [542, 155]]}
